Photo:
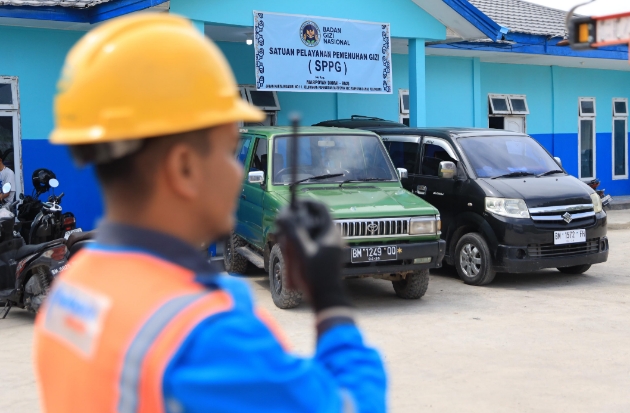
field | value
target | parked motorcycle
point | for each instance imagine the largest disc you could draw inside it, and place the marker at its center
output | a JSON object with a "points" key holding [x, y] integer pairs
{"points": [[44, 221], [606, 199], [26, 271]]}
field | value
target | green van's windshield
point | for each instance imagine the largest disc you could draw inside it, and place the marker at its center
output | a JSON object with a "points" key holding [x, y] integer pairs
{"points": [[497, 156], [347, 157]]}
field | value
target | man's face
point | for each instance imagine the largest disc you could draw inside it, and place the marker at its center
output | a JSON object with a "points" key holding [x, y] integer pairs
{"points": [[223, 176]]}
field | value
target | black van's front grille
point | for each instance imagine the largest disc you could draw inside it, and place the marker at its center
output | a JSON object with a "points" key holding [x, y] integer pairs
{"points": [[591, 246], [563, 216]]}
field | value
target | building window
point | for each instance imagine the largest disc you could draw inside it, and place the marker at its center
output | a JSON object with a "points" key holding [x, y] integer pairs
{"points": [[620, 138], [586, 138], [403, 106], [265, 100], [507, 112], [8, 93]]}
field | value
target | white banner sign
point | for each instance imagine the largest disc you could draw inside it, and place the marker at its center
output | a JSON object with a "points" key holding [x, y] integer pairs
{"points": [[314, 54]]}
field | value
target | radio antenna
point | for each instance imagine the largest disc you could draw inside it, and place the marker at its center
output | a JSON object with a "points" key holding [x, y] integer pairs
{"points": [[295, 123]]}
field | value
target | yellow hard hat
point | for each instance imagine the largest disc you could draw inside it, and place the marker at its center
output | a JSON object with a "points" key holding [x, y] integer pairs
{"points": [[142, 76]]}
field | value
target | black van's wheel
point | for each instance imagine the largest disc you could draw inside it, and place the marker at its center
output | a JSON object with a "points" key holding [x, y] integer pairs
{"points": [[282, 296], [233, 261], [576, 269], [473, 260], [413, 286]]}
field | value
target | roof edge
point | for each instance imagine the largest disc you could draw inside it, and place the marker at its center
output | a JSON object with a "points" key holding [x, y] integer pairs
{"points": [[93, 14], [478, 19]]}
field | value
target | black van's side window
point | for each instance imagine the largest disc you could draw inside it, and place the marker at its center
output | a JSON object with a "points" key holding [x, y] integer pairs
{"points": [[259, 160], [432, 155], [404, 155]]}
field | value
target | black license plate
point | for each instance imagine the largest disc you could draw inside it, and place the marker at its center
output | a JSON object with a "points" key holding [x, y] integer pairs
{"points": [[371, 254]]}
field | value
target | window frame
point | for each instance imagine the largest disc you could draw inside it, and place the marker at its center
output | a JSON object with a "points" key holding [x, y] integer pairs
{"points": [[519, 97], [620, 115], [11, 80], [433, 140], [587, 115], [579, 145], [625, 134], [492, 110], [249, 88], [17, 149], [401, 106]]}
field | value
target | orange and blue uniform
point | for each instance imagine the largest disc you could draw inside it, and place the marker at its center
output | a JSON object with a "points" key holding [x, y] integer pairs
{"points": [[141, 322]]}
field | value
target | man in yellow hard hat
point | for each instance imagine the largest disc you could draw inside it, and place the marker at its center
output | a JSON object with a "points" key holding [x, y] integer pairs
{"points": [[141, 322]]}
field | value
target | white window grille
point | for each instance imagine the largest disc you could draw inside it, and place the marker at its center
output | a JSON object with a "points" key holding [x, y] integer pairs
{"points": [[587, 139], [620, 139]]}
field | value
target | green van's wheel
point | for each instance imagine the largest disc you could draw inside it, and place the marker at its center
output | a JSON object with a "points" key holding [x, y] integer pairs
{"points": [[234, 262], [282, 296]]}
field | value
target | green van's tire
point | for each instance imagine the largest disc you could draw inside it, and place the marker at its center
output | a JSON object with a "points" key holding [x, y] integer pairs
{"points": [[282, 297], [234, 262], [413, 286]]}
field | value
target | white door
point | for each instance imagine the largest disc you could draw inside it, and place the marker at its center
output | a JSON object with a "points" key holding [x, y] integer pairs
{"points": [[515, 123]]}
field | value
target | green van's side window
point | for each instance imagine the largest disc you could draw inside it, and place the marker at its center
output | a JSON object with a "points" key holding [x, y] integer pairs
{"points": [[243, 149]]}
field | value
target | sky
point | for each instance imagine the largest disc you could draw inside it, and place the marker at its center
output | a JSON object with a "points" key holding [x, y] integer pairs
{"points": [[597, 8]]}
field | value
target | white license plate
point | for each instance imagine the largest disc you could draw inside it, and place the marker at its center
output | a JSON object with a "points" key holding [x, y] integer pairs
{"points": [[569, 237], [371, 254], [68, 233]]}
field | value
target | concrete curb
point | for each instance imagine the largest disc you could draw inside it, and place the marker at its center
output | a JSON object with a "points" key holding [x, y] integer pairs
{"points": [[615, 227]]}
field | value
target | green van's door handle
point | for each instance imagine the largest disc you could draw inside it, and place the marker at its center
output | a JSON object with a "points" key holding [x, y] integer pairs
{"points": [[243, 196]]}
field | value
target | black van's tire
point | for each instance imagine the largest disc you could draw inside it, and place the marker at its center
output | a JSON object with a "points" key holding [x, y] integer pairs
{"points": [[473, 260], [233, 261], [413, 286], [282, 297], [576, 269]]}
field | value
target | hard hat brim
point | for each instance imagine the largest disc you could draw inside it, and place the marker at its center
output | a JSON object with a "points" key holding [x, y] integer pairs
{"points": [[241, 111]]}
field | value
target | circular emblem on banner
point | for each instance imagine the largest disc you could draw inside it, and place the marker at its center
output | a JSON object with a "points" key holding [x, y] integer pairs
{"points": [[309, 33]]}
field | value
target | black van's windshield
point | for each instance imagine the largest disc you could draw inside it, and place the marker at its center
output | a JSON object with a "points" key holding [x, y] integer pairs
{"points": [[498, 156], [332, 158]]}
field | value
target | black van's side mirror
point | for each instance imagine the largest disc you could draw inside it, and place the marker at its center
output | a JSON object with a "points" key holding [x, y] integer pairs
{"points": [[447, 170]]}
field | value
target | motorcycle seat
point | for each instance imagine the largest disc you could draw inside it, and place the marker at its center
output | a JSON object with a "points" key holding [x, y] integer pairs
{"points": [[27, 250], [78, 237]]}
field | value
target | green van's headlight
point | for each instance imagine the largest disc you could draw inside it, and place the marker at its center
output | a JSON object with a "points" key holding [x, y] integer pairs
{"points": [[424, 225], [507, 207], [597, 203]]}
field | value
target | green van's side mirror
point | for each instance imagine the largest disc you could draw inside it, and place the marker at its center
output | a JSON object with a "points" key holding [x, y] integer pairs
{"points": [[256, 177]]}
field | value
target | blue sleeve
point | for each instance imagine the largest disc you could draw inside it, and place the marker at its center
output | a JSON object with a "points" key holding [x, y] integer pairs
{"points": [[232, 362]]}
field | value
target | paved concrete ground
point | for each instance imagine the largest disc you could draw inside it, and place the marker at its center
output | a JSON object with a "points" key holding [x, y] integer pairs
{"points": [[542, 342]]}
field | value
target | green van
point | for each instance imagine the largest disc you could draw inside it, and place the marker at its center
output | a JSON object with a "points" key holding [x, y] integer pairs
{"points": [[390, 233]]}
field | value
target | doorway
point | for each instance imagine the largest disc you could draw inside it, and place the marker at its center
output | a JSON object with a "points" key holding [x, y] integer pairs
{"points": [[10, 139]]}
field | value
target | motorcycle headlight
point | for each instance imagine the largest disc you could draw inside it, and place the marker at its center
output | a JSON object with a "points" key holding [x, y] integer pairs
{"points": [[597, 203], [507, 207], [424, 225]]}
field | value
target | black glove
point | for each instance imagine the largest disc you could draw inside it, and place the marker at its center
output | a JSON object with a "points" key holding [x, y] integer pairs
{"points": [[312, 250]]}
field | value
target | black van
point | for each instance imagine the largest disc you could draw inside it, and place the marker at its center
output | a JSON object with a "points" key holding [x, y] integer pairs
{"points": [[506, 204]]}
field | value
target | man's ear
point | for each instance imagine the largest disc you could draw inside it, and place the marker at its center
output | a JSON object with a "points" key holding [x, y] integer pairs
{"points": [[182, 172]]}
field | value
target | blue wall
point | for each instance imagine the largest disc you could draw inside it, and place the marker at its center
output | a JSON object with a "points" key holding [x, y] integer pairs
{"points": [[406, 18], [36, 56], [552, 96]]}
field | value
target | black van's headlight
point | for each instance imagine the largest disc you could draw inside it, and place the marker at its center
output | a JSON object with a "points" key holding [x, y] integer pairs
{"points": [[597, 203], [507, 207]]}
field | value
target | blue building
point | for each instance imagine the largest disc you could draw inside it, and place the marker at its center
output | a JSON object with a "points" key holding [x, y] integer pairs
{"points": [[482, 63]]}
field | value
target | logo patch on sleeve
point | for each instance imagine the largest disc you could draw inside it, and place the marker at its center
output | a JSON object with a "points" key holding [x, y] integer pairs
{"points": [[76, 316]]}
